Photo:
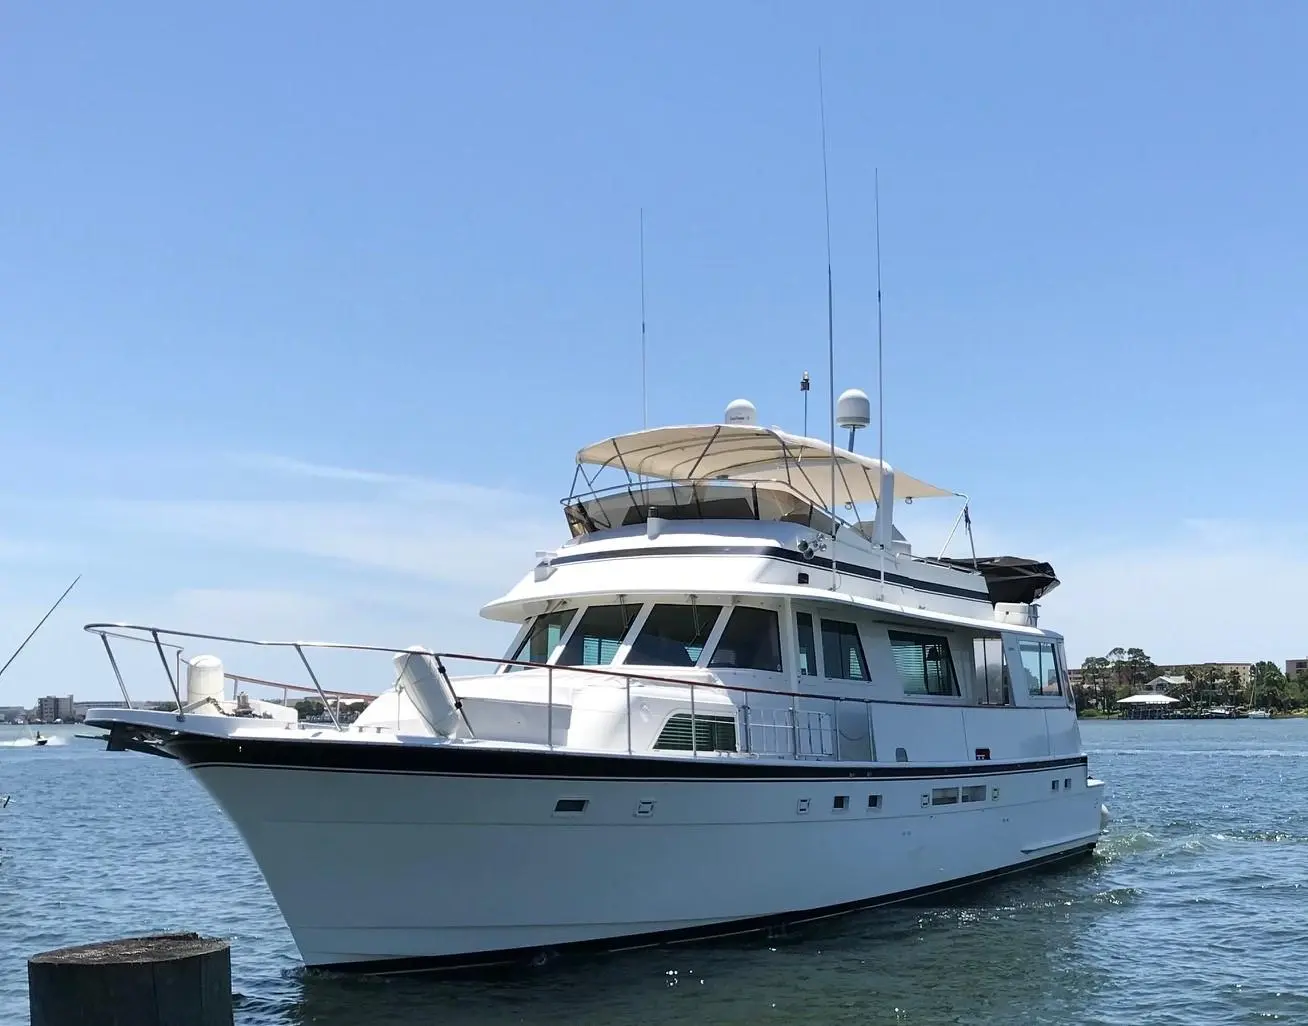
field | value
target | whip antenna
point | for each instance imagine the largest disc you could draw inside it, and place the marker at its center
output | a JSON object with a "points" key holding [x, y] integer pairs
{"points": [[831, 344]]}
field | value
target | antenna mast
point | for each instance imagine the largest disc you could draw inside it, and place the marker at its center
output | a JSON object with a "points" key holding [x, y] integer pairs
{"points": [[881, 396], [644, 394], [803, 387], [38, 625], [831, 344]]}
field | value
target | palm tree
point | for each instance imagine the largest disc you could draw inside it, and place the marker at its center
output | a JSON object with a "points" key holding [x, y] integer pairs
{"points": [[1233, 689], [1183, 690], [1268, 686]]}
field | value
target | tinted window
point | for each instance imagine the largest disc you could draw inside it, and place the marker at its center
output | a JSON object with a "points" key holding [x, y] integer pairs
{"points": [[924, 663], [807, 650], [543, 638], [751, 641], [1041, 668], [842, 651], [673, 635], [597, 636], [991, 672]]}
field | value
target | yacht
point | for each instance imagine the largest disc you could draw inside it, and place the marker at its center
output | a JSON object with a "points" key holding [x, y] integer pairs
{"points": [[732, 703]]}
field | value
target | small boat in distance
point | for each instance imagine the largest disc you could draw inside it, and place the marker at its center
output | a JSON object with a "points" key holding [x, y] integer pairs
{"points": [[731, 703]]}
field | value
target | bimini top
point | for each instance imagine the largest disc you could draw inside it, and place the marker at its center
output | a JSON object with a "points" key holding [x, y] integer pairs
{"points": [[750, 452]]}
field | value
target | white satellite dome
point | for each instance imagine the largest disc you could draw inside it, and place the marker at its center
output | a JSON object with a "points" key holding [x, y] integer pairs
{"points": [[853, 409], [741, 411]]}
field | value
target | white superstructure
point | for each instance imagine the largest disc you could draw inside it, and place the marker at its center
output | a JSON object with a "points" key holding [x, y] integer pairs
{"points": [[724, 708]]}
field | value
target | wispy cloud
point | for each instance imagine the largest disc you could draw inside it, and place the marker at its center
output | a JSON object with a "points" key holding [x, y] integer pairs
{"points": [[282, 470], [452, 542]]}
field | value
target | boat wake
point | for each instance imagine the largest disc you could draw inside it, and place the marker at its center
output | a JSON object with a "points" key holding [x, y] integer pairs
{"points": [[1242, 753], [31, 742]]}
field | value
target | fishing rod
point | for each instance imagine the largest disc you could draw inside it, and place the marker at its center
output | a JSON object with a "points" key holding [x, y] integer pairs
{"points": [[38, 626]]}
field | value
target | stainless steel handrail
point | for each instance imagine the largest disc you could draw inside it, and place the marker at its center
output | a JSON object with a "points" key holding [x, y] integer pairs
{"points": [[154, 634], [640, 493]]}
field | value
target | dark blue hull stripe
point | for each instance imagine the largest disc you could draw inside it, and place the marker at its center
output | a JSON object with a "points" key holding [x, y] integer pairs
{"points": [[458, 760]]}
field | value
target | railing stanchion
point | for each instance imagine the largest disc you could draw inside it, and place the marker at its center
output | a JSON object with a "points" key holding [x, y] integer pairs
{"points": [[744, 722], [835, 727], [628, 684], [871, 745], [694, 746], [549, 708], [794, 731], [114, 663], [321, 694], [177, 695]]}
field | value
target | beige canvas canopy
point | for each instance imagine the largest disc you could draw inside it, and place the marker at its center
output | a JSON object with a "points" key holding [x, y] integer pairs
{"points": [[750, 452]]}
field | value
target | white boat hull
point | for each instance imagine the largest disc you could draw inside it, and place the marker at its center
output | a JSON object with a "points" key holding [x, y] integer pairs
{"points": [[385, 870]]}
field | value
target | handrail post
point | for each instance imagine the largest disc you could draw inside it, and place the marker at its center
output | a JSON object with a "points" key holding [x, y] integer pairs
{"points": [[177, 695], [321, 694], [549, 707], [694, 747], [871, 745], [794, 731], [744, 722], [628, 685], [835, 724], [114, 663]]}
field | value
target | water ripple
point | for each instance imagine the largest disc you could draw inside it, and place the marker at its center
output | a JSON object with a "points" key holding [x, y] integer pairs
{"points": [[1190, 912]]}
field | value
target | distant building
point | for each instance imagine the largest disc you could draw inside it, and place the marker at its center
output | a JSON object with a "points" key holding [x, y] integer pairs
{"points": [[55, 707], [12, 713], [80, 708], [1294, 667], [1163, 684], [1223, 670]]}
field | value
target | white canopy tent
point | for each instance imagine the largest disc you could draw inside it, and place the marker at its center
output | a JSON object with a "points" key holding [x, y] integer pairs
{"points": [[1152, 699], [750, 452]]}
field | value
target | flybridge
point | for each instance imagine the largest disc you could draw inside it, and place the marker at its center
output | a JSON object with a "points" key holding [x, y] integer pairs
{"points": [[737, 470], [749, 453], [740, 471]]}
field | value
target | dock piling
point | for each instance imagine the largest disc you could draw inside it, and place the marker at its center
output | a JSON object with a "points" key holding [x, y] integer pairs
{"points": [[177, 979]]}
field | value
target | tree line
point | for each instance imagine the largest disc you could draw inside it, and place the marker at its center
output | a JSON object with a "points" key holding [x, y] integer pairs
{"points": [[1124, 671]]}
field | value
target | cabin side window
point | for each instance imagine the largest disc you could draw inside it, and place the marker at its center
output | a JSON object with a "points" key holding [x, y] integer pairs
{"points": [[924, 663], [842, 651], [599, 632], [673, 635], [807, 649], [751, 640], [992, 681], [1041, 665], [543, 637]]}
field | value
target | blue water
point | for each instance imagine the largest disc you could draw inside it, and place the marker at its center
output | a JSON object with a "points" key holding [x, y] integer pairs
{"points": [[1191, 913]]}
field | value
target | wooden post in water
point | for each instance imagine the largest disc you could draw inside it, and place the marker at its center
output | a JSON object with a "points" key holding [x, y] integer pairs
{"points": [[176, 979]]}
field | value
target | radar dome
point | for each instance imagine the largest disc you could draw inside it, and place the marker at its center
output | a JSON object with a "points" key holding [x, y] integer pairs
{"points": [[741, 411], [853, 410]]}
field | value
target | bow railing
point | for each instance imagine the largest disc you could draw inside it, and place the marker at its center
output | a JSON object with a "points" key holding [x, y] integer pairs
{"points": [[768, 721]]}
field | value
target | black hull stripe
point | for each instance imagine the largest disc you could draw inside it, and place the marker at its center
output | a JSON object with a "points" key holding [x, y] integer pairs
{"points": [[199, 751], [777, 552], [735, 928]]}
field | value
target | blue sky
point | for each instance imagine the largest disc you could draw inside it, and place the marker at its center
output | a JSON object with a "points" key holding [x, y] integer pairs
{"points": [[306, 307]]}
